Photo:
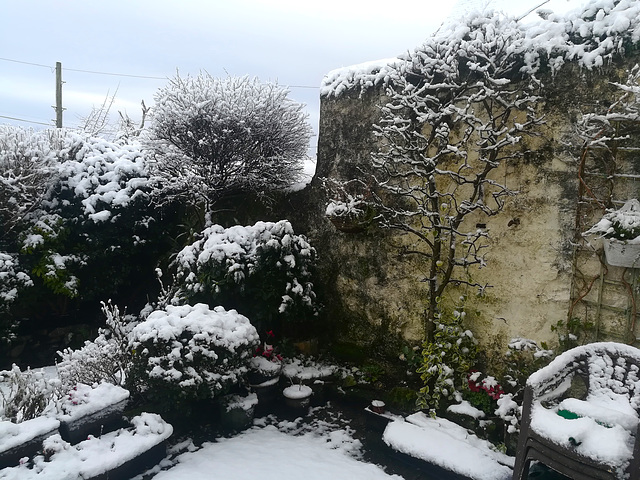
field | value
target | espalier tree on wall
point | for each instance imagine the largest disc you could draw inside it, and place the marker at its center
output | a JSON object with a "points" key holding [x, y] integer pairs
{"points": [[457, 111]]}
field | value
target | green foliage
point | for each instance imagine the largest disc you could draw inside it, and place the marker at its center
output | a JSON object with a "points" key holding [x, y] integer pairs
{"points": [[182, 354], [403, 398], [263, 271], [480, 400], [446, 361], [573, 332], [412, 356], [372, 372]]}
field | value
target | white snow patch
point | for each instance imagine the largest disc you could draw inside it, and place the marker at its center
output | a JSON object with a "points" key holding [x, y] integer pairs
{"points": [[267, 452], [443, 443]]}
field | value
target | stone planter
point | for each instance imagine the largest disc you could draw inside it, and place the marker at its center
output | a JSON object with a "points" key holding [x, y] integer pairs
{"points": [[24, 439], [621, 254], [117, 455], [92, 411]]}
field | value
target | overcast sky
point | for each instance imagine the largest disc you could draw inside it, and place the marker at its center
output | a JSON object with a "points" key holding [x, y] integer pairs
{"points": [[293, 42]]}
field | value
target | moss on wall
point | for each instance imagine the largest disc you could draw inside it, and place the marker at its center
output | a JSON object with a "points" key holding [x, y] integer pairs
{"points": [[373, 295]]}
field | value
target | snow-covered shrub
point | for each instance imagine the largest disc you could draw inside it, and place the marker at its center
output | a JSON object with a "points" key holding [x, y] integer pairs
{"points": [[446, 361], [29, 394], [27, 160], [622, 224], [185, 352], [107, 358], [523, 357], [263, 271], [12, 279], [94, 216], [217, 137]]}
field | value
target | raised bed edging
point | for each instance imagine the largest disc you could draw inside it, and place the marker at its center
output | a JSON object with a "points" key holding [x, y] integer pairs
{"points": [[75, 430], [30, 443]]}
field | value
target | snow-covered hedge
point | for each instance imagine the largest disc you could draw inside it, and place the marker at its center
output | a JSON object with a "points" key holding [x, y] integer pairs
{"points": [[191, 352], [93, 212], [261, 270], [12, 279], [105, 176], [590, 36]]}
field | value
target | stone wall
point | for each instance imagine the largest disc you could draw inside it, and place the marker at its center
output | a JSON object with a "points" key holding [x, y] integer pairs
{"points": [[371, 294]]}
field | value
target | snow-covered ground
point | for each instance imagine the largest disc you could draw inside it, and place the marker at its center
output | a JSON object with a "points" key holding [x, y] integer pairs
{"points": [[269, 453]]}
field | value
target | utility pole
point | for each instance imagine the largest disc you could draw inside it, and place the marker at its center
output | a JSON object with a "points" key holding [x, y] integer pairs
{"points": [[58, 106]]}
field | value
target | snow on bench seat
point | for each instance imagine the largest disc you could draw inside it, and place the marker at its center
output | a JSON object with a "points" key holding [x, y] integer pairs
{"points": [[446, 444], [600, 433]]}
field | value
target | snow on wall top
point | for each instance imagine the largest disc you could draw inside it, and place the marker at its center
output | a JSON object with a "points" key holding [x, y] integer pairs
{"points": [[590, 35]]}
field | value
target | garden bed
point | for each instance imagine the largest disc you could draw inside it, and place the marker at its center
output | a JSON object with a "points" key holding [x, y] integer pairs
{"points": [[116, 455]]}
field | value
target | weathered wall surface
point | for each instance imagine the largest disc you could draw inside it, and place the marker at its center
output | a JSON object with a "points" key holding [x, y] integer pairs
{"points": [[372, 294]]}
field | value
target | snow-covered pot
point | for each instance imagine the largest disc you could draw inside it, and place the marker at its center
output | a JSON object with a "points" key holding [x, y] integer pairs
{"points": [[622, 254], [620, 231], [268, 392], [377, 406], [298, 396], [263, 371], [236, 411]]}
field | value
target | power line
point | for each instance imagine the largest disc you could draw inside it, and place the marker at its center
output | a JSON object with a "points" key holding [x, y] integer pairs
{"points": [[52, 68], [114, 74], [27, 121], [27, 63], [83, 71]]}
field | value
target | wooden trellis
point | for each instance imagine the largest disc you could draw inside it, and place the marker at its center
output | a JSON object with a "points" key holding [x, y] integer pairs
{"points": [[605, 298]]}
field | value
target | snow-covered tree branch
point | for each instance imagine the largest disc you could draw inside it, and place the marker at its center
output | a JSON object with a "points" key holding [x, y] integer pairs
{"points": [[457, 111]]}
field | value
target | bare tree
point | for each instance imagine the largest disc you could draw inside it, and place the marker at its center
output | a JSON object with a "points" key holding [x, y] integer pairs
{"points": [[217, 137], [457, 112]]}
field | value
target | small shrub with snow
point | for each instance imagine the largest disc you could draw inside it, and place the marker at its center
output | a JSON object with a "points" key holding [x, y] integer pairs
{"points": [[446, 361], [263, 271], [523, 357], [107, 358], [29, 394], [184, 353]]}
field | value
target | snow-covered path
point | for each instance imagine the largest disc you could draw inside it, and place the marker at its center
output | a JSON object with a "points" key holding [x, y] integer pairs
{"points": [[267, 453]]}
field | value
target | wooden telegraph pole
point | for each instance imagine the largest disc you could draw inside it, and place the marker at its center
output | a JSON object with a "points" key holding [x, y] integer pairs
{"points": [[58, 106]]}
